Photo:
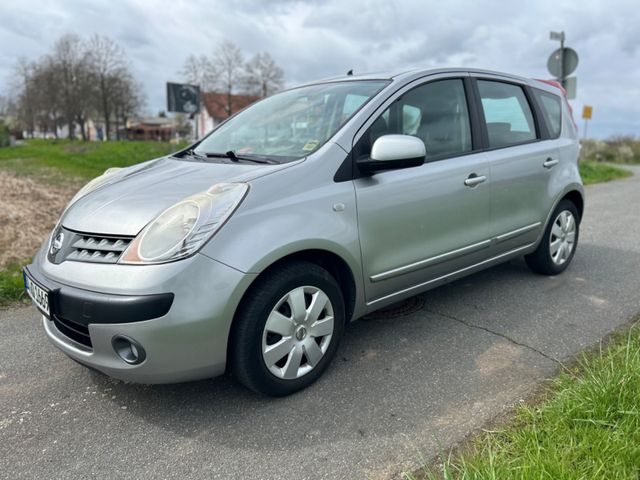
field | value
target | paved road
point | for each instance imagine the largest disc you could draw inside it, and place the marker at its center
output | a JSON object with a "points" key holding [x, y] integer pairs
{"points": [[399, 388]]}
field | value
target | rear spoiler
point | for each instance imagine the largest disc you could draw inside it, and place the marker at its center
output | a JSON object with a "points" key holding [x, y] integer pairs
{"points": [[558, 85]]}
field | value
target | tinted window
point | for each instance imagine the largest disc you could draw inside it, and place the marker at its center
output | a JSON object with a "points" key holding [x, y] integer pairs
{"points": [[507, 114], [435, 112], [551, 109]]}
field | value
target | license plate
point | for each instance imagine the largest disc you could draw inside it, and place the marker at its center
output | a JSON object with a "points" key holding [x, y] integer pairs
{"points": [[39, 295]]}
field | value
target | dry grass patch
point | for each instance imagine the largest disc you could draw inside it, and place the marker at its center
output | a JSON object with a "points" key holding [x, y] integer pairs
{"points": [[28, 211]]}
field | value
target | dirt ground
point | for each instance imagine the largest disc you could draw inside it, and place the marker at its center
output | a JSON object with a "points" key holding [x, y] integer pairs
{"points": [[28, 212]]}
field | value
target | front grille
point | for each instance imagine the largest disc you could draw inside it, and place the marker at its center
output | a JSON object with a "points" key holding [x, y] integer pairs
{"points": [[73, 330], [97, 249], [86, 247]]}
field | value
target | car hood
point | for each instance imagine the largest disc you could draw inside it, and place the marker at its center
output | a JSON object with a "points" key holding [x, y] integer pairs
{"points": [[138, 194]]}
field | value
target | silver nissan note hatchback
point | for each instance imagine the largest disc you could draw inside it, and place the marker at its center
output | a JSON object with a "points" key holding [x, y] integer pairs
{"points": [[249, 251]]}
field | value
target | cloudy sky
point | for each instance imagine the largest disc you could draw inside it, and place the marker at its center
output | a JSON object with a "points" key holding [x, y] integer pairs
{"points": [[316, 39]]}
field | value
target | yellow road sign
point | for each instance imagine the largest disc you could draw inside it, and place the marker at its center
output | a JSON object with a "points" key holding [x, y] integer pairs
{"points": [[587, 111]]}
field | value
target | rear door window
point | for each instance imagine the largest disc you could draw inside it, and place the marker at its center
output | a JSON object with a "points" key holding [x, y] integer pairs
{"points": [[552, 111], [507, 114]]}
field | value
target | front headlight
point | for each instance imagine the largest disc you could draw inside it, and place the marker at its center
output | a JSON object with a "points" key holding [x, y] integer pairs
{"points": [[183, 228]]}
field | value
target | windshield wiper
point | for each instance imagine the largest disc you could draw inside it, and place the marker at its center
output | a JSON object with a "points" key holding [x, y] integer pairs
{"points": [[234, 157]]}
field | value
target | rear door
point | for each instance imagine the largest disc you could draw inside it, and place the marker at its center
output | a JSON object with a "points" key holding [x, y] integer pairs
{"points": [[417, 224], [521, 159]]}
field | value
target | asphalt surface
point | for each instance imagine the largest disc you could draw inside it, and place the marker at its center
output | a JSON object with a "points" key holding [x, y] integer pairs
{"points": [[399, 390]]}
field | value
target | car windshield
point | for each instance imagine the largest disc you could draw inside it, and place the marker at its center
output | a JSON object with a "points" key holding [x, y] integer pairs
{"points": [[291, 124]]}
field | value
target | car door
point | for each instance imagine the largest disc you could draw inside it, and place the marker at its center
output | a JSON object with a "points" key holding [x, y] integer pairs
{"points": [[521, 161], [418, 224]]}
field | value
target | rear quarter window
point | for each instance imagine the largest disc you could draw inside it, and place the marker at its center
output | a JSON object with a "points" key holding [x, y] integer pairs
{"points": [[552, 111], [507, 114]]}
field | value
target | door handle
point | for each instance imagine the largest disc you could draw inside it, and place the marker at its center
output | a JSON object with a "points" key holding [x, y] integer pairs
{"points": [[473, 180], [550, 162]]}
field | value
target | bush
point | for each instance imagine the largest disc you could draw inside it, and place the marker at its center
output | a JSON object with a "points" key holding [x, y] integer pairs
{"points": [[621, 149]]}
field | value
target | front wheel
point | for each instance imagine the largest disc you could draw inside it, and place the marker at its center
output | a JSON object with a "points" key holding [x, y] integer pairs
{"points": [[287, 329], [559, 241]]}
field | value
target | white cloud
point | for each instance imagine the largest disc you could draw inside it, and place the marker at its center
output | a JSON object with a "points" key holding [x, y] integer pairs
{"points": [[324, 38]]}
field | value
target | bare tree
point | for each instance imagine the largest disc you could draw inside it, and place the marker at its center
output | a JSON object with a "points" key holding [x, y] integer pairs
{"points": [[23, 88], [77, 81], [199, 70], [5, 136], [107, 63], [128, 99], [46, 85], [263, 75], [36, 92], [226, 72], [70, 62], [4, 106], [229, 62], [85, 93]]}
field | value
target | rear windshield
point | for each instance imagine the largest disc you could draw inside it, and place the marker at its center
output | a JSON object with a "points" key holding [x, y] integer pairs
{"points": [[291, 124]]}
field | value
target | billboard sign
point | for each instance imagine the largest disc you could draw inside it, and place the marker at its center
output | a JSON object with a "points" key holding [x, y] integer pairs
{"points": [[183, 98]]}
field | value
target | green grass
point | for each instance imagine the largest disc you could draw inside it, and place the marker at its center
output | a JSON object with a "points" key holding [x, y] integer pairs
{"points": [[56, 159], [595, 172], [12, 286], [588, 428]]}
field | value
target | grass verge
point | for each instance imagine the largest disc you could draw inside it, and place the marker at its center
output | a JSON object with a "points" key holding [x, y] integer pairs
{"points": [[588, 427], [595, 172], [53, 160], [12, 285]]}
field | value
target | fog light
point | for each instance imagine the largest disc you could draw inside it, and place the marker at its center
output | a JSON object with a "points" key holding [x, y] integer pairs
{"points": [[128, 349]]}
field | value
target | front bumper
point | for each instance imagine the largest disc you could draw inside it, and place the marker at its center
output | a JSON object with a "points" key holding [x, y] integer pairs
{"points": [[180, 313]]}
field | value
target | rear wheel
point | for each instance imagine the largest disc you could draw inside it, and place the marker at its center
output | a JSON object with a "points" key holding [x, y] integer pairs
{"points": [[287, 329], [559, 241]]}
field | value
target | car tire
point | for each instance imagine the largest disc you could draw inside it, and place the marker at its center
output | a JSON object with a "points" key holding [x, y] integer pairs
{"points": [[559, 242], [270, 356]]}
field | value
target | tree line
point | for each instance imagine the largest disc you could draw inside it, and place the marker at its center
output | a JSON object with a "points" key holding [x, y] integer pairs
{"points": [[82, 79], [226, 71], [78, 80]]}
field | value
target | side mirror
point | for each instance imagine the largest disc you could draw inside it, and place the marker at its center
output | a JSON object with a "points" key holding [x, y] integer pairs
{"points": [[392, 152]]}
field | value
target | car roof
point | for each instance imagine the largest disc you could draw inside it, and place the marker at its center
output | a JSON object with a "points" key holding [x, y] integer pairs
{"points": [[414, 73]]}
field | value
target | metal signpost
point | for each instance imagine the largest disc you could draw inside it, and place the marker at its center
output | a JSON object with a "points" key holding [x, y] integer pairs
{"points": [[562, 63]]}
